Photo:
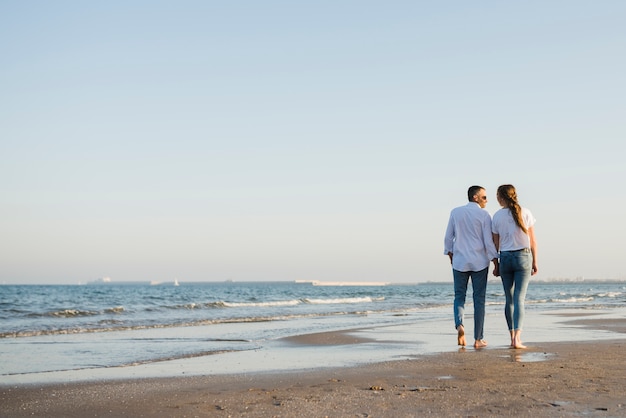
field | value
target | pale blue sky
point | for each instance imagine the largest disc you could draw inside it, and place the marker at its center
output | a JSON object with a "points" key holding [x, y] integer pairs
{"points": [[280, 140]]}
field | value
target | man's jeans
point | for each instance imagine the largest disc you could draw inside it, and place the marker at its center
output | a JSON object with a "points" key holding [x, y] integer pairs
{"points": [[479, 286]]}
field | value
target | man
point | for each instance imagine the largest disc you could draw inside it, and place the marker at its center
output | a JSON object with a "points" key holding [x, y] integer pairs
{"points": [[469, 244]]}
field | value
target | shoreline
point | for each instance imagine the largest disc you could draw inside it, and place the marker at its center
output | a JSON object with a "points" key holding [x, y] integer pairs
{"points": [[350, 347]]}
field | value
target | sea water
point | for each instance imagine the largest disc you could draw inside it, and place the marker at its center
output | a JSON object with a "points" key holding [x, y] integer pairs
{"points": [[52, 328]]}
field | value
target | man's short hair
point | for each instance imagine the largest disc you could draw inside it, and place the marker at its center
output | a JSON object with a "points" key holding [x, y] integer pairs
{"points": [[471, 192]]}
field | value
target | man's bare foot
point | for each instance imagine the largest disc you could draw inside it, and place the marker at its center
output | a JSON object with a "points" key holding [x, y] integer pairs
{"points": [[461, 335], [480, 344], [518, 345]]}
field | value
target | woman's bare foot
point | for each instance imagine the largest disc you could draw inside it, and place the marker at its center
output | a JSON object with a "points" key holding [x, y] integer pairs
{"points": [[461, 335], [517, 340], [480, 344]]}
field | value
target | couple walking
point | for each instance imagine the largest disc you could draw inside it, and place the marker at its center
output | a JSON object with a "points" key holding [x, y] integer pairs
{"points": [[473, 240]]}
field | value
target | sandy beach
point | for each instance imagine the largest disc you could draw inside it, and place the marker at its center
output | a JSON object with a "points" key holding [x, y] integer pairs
{"points": [[555, 379]]}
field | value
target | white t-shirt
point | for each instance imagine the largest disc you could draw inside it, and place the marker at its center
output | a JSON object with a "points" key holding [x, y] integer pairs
{"points": [[512, 237]]}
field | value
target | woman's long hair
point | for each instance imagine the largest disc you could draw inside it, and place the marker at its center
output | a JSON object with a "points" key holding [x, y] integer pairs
{"points": [[507, 193]]}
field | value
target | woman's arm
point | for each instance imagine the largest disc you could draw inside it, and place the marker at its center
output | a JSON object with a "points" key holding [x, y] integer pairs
{"points": [[533, 249]]}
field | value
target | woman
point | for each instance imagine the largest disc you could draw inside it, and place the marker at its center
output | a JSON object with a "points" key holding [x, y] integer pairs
{"points": [[514, 236]]}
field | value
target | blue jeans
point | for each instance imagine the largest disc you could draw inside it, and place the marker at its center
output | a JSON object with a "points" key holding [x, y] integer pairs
{"points": [[515, 271], [479, 286]]}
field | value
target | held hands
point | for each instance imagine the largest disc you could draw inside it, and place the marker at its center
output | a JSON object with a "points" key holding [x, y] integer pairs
{"points": [[496, 268]]}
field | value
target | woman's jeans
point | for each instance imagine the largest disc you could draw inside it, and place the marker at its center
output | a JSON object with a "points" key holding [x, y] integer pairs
{"points": [[479, 286], [515, 271]]}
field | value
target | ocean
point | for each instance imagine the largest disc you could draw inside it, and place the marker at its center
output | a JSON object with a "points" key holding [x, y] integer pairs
{"points": [[49, 328]]}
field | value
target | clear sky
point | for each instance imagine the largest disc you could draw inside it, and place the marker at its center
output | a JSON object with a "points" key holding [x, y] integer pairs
{"points": [[284, 140]]}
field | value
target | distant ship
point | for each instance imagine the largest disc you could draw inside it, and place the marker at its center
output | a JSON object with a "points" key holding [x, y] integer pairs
{"points": [[322, 283], [159, 283], [101, 280]]}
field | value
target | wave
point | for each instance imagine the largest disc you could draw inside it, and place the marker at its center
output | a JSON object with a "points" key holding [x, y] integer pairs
{"points": [[610, 294], [121, 311], [222, 304], [113, 326], [260, 304], [342, 300], [279, 303], [70, 313], [572, 299]]}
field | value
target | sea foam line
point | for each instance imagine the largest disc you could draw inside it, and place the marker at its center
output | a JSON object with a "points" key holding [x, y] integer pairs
{"points": [[203, 322]]}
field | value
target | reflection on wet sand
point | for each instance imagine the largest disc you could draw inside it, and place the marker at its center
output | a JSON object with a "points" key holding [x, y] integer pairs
{"points": [[529, 357]]}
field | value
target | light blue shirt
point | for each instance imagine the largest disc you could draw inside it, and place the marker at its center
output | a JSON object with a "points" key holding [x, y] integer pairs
{"points": [[468, 238]]}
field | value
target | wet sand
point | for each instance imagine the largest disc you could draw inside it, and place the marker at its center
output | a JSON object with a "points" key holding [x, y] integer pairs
{"points": [[556, 379]]}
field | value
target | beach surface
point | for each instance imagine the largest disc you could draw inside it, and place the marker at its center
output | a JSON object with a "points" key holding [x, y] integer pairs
{"points": [[549, 379]]}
